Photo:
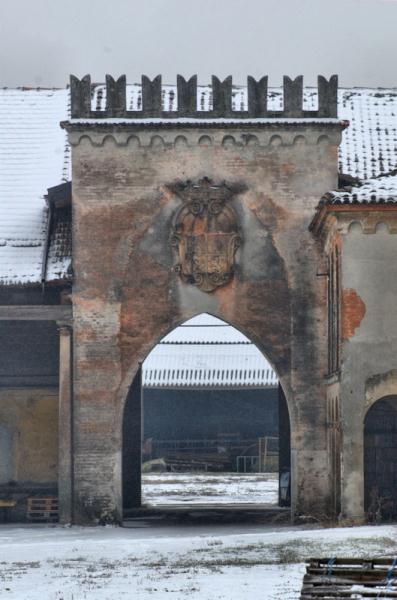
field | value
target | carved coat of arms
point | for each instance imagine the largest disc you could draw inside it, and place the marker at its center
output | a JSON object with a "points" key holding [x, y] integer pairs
{"points": [[206, 234]]}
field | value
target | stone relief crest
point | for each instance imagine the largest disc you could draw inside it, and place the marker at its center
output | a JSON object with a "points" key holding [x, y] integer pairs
{"points": [[206, 234]]}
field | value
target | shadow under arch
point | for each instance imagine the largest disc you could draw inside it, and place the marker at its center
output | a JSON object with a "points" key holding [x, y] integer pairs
{"points": [[132, 428], [380, 459]]}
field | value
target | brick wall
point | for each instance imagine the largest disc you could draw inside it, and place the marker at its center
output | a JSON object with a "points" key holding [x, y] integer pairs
{"points": [[127, 295]]}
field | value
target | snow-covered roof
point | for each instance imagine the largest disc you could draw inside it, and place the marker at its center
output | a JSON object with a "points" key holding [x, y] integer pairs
{"points": [[369, 144], [34, 156], [207, 352], [378, 190], [205, 329]]}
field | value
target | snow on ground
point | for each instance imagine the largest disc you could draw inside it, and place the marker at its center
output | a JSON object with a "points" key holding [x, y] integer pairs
{"points": [[151, 562], [210, 488]]}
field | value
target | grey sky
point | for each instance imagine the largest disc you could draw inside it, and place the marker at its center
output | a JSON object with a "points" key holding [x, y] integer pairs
{"points": [[42, 41]]}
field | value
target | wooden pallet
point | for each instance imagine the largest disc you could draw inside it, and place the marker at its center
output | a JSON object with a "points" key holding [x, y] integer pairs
{"points": [[327, 578], [5, 505], [42, 509], [7, 502]]}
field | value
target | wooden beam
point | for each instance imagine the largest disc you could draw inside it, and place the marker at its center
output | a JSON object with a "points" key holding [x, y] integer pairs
{"points": [[41, 312]]}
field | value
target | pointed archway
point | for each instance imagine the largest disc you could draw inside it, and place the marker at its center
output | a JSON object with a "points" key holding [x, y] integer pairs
{"points": [[206, 356]]}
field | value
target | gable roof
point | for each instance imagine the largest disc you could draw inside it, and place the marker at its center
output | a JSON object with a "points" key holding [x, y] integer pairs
{"points": [[34, 156], [205, 329], [207, 352]]}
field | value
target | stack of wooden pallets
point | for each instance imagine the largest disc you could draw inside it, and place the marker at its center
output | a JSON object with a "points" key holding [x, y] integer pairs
{"points": [[43, 509], [328, 578], [5, 505]]}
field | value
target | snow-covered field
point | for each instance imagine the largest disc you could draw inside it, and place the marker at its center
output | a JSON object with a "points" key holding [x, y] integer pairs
{"points": [[210, 488], [151, 562]]}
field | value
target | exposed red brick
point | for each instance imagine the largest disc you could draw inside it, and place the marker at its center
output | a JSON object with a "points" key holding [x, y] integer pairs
{"points": [[353, 312]]}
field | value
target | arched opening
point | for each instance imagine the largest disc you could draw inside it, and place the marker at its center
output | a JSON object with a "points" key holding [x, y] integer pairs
{"points": [[206, 422], [380, 460]]}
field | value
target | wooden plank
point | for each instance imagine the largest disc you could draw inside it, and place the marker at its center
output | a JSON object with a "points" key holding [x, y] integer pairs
{"points": [[7, 503], [351, 593], [356, 574], [355, 592], [351, 561], [314, 580], [333, 593], [41, 312], [42, 503], [336, 585]]}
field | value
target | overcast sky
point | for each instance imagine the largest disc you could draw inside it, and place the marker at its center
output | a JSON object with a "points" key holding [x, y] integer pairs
{"points": [[43, 41]]}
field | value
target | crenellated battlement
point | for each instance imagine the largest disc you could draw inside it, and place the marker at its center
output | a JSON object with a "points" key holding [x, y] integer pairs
{"points": [[187, 99]]}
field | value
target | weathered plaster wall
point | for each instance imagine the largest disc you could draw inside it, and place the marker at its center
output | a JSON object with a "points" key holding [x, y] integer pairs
{"points": [[369, 327], [127, 296], [29, 433]]}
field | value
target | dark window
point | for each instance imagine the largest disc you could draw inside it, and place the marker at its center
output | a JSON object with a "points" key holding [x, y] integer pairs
{"points": [[334, 311]]}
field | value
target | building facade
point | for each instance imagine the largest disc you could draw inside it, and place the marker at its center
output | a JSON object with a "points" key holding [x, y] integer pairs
{"points": [[261, 207]]}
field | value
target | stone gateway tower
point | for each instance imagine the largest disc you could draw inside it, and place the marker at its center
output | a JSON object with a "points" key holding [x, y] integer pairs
{"points": [[258, 206], [182, 205]]}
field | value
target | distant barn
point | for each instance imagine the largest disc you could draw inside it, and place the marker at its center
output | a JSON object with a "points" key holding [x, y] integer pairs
{"points": [[206, 386]]}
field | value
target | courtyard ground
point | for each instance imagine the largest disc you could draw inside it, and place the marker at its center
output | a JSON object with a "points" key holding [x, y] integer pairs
{"points": [[152, 560], [210, 488]]}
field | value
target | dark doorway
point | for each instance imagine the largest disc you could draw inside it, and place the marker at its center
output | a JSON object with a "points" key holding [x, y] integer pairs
{"points": [[132, 445], [380, 460], [284, 444]]}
